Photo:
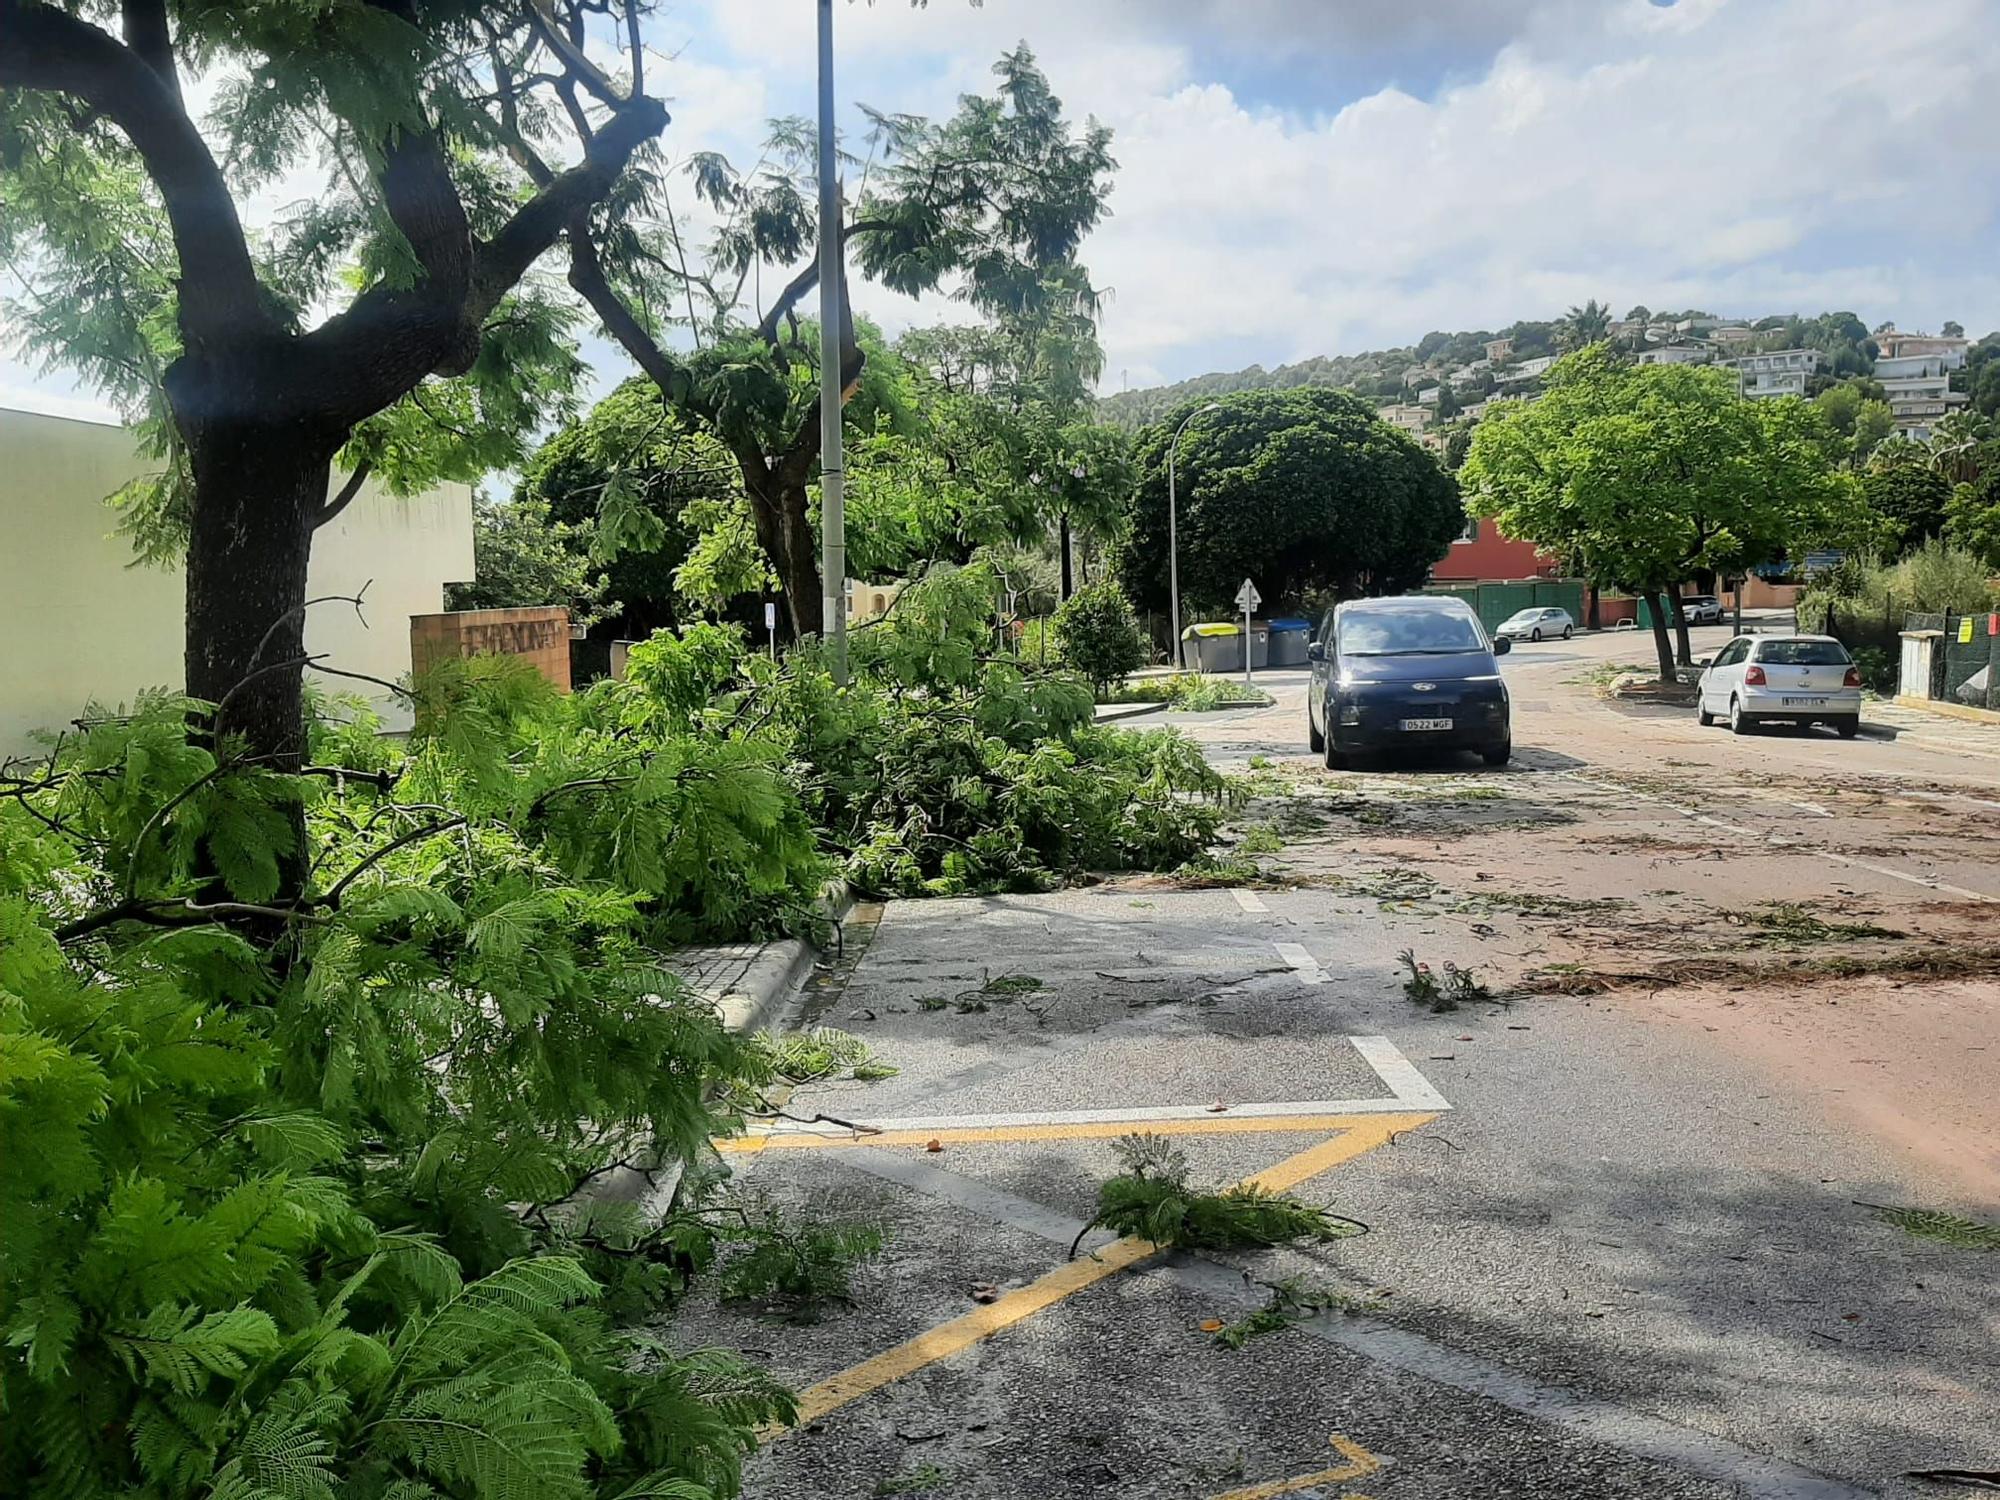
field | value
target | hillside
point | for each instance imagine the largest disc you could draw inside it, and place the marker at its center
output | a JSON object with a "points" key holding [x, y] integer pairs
{"points": [[1380, 374]]}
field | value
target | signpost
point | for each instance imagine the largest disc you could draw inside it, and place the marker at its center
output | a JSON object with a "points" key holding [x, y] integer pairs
{"points": [[1247, 599], [771, 626]]}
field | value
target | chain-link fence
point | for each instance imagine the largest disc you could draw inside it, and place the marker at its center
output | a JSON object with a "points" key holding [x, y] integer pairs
{"points": [[1964, 659]]}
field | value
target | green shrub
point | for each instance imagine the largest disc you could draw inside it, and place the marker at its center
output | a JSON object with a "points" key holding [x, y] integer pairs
{"points": [[1098, 635]]}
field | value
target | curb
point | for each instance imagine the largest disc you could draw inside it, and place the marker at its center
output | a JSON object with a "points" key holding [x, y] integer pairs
{"points": [[1111, 713], [1947, 710], [769, 987]]}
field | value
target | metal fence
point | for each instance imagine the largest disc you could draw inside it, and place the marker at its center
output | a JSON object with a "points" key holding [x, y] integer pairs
{"points": [[1965, 657]]}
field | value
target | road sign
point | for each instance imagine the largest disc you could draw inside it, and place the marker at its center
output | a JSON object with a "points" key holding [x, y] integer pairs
{"points": [[1247, 597]]}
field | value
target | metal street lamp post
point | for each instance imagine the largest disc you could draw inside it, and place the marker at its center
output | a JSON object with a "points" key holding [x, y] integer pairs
{"points": [[833, 510], [1173, 532]]}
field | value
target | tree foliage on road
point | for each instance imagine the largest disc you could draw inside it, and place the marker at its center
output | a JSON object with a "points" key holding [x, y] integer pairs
{"points": [[1299, 490], [1646, 474], [436, 358]]}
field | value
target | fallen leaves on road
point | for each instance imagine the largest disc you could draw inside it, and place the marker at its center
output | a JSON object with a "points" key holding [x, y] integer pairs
{"points": [[985, 1292], [934, 1144]]}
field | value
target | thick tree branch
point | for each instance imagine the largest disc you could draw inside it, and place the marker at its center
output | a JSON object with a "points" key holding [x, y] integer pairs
{"points": [[145, 25], [44, 48], [391, 338], [345, 495], [586, 275]]}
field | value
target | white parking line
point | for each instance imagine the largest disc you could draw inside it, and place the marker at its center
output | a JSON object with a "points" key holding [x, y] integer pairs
{"points": [[1409, 1092], [1307, 966], [1249, 901]]}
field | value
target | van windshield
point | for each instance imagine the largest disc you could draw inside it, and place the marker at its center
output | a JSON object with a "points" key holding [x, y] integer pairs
{"points": [[1407, 632]]}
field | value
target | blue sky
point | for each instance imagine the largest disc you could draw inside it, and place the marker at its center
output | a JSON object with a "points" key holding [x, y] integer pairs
{"points": [[1306, 177]]}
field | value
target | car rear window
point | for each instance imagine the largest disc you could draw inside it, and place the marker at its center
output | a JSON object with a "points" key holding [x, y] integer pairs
{"points": [[1803, 653], [1398, 632]]}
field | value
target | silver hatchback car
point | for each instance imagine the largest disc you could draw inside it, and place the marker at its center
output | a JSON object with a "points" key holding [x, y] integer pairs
{"points": [[1782, 679]]}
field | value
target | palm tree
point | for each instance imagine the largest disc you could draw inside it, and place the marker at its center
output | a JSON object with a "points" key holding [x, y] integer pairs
{"points": [[1583, 326], [1955, 445]]}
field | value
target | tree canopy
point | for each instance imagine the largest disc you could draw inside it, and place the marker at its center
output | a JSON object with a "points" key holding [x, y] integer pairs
{"points": [[388, 319], [1299, 490], [993, 202], [1646, 474]]}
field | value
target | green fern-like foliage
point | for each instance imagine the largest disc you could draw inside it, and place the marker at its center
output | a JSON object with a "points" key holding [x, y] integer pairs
{"points": [[301, 1075], [1152, 1199]]}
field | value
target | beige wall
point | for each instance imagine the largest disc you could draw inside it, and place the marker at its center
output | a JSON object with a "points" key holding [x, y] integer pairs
{"points": [[79, 624]]}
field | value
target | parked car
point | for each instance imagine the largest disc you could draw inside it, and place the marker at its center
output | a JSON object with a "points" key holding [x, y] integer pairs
{"points": [[1534, 624], [1781, 679], [1702, 609], [1396, 674]]}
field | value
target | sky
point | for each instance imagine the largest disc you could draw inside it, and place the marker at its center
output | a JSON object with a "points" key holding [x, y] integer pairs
{"points": [[1302, 177]]}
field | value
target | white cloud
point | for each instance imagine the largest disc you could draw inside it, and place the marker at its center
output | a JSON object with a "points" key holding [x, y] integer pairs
{"points": [[1749, 156]]}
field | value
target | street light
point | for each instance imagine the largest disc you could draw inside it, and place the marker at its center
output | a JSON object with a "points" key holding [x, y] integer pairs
{"points": [[1173, 529]]}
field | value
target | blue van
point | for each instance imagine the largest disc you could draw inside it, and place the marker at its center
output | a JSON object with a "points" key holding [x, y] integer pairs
{"points": [[1403, 674]]}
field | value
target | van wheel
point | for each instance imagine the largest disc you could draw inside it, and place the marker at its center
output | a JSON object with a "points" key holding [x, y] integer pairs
{"points": [[1332, 759], [1315, 741], [1498, 756]]}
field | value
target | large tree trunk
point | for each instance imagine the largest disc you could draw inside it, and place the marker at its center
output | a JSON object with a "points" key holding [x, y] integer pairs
{"points": [[1063, 551], [799, 567], [1681, 643], [1661, 643], [1591, 610], [258, 493]]}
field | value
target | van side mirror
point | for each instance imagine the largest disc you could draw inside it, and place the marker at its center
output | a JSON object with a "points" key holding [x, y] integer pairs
{"points": [[1502, 646], [1315, 651]]}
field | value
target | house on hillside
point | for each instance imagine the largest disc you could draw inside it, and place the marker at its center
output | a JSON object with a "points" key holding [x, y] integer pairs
{"points": [[1428, 396], [1499, 349], [1780, 372], [1412, 419], [1733, 336], [1894, 345], [1918, 388], [1676, 354]]}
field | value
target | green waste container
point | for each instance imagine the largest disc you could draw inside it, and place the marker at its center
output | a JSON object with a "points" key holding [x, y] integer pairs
{"points": [[1212, 648]]}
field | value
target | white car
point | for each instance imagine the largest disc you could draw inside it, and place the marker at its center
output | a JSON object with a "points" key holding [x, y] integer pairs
{"points": [[1782, 679], [1535, 624], [1702, 609]]}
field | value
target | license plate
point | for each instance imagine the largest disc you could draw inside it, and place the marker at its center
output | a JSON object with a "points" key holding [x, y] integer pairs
{"points": [[1803, 702], [1427, 723]]}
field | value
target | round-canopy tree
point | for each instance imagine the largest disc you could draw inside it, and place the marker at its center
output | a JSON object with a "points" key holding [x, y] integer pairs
{"points": [[1298, 490]]}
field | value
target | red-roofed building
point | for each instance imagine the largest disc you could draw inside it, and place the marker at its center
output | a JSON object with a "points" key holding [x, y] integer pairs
{"points": [[1484, 555]]}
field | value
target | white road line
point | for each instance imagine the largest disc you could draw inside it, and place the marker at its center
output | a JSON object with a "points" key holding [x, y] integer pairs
{"points": [[1409, 1091], [1249, 901], [1307, 966], [1398, 1072], [1778, 841]]}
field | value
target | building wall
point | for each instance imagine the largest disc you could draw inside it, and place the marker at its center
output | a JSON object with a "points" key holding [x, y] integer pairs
{"points": [[1489, 555], [82, 624]]}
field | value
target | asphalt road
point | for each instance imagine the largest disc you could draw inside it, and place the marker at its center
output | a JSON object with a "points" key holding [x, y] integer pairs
{"points": [[1617, 1237]]}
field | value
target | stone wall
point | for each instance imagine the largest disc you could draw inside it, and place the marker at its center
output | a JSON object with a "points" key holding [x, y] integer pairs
{"points": [[539, 632]]}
